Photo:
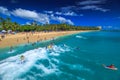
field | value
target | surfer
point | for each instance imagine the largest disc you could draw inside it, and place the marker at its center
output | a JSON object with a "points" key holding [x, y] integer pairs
{"points": [[49, 47], [111, 66], [22, 57]]}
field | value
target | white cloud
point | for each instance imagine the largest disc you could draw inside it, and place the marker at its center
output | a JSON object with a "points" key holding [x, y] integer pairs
{"points": [[28, 23], [93, 7], [90, 2], [49, 12], [68, 8], [25, 13], [61, 19], [32, 15], [66, 13], [58, 13], [69, 13], [42, 18], [4, 11]]}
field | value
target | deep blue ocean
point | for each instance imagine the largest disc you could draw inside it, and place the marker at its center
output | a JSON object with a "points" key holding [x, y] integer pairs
{"points": [[73, 57]]}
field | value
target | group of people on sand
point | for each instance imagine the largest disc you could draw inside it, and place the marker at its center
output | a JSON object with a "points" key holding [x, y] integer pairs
{"points": [[27, 38], [28, 35]]}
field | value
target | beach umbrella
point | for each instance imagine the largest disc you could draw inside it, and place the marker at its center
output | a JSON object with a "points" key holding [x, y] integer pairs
{"points": [[3, 31], [9, 31]]}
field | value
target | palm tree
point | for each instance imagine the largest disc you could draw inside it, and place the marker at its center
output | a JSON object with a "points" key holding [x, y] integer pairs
{"points": [[15, 26], [1, 19], [8, 20]]}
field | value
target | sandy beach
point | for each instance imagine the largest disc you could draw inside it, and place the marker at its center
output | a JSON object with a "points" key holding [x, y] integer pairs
{"points": [[21, 38]]}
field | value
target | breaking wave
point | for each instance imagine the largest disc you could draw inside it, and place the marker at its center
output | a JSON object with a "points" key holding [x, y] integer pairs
{"points": [[81, 37], [42, 59]]}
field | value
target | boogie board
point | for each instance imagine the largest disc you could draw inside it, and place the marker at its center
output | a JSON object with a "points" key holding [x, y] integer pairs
{"points": [[109, 67]]}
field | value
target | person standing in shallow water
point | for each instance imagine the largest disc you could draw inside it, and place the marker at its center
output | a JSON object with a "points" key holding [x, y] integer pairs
{"points": [[28, 41], [11, 48]]}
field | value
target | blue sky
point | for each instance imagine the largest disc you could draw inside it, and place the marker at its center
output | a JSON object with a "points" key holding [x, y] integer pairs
{"points": [[104, 13]]}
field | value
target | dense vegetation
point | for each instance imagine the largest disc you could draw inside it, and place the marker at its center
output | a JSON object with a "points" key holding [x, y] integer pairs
{"points": [[7, 24]]}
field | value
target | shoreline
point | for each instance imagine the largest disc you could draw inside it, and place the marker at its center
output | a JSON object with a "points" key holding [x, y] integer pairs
{"points": [[11, 40]]}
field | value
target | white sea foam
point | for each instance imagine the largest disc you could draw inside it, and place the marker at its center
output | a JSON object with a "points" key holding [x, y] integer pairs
{"points": [[30, 78], [54, 54], [71, 75], [78, 67], [12, 68], [55, 60], [46, 70], [81, 37]]}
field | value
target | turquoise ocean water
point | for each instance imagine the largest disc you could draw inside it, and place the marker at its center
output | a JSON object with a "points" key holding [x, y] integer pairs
{"points": [[74, 57]]}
